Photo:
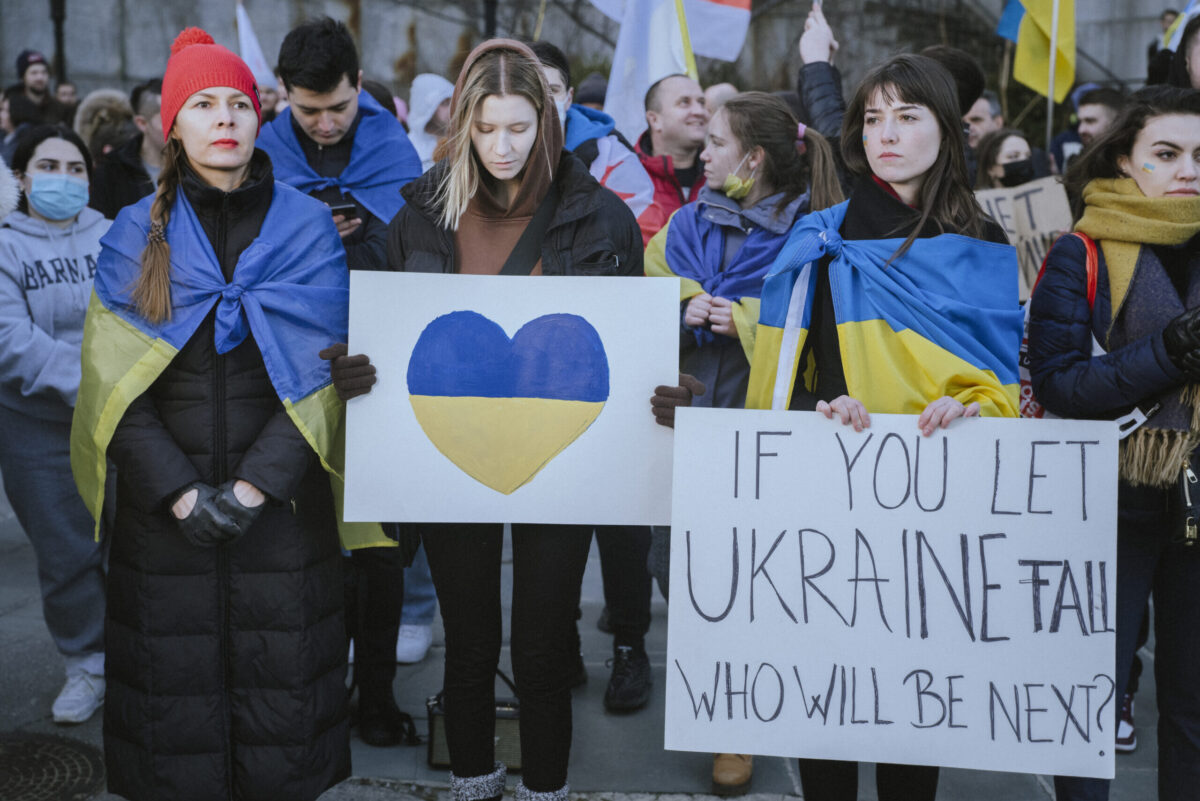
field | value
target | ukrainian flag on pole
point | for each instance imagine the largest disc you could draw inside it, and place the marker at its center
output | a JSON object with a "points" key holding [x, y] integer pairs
{"points": [[1031, 65]]}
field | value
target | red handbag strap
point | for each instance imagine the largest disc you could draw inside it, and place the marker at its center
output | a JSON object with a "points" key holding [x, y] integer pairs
{"points": [[1092, 262]]}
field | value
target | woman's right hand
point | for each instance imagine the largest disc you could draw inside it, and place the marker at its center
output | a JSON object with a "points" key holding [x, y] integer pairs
{"points": [[352, 375], [849, 410], [698, 308]]}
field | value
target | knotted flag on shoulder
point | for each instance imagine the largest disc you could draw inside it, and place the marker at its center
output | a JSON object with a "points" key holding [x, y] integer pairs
{"points": [[381, 159], [943, 319], [692, 251], [290, 289]]}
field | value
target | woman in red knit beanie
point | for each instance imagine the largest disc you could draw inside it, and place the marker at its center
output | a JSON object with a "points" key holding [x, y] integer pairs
{"points": [[227, 648]]}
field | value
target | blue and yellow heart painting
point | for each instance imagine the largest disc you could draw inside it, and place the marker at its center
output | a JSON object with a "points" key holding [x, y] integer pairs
{"points": [[501, 409]]}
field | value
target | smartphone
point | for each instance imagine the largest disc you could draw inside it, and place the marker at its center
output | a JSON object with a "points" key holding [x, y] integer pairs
{"points": [[347, 210]]}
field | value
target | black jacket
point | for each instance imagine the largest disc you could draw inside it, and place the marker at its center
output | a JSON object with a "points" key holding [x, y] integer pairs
{"points": [[225, 666], [366, 248], [592, 231], [120, 179]]}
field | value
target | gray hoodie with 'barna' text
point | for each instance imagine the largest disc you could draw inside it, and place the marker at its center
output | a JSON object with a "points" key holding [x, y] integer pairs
{"points": [[46, 277]]}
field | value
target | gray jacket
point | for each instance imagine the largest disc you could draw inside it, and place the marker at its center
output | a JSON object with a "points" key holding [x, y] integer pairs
{"points": [[45, 282]]}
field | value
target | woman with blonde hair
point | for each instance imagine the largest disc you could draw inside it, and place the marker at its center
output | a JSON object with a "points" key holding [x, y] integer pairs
{"points": [[502, 171]]}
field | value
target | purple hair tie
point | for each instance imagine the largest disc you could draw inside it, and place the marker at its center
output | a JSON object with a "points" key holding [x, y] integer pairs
{"points": [[801, 147]]}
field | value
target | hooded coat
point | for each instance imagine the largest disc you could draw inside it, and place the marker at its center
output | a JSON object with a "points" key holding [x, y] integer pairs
{"points": [[428, 92], [226, 666], [592, 232]]}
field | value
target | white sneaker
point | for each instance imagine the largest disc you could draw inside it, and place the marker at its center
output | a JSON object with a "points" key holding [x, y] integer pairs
{"points": [[412, 642], [81, 696]]}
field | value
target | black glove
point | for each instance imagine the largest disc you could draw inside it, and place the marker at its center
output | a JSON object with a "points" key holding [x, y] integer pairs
{"points": [[352, 375], [1181, 338], [666, 399], [206, 526], [241, 517]]}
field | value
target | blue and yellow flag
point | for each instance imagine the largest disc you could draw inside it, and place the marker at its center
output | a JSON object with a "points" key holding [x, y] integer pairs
{"points": [[692, 250], [1031, 62], [943, 319], [382, 159], [290, 289]]}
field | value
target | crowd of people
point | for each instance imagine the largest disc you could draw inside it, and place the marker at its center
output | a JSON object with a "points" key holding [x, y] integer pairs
{"points": [[174, 271]]}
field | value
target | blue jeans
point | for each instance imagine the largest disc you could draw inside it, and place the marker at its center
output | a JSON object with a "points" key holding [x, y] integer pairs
{"points": [[420, 598], [1149, 561], [35, 461]]}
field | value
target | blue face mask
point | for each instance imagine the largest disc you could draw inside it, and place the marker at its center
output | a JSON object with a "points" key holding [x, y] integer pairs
{"points": [[58, 197]]}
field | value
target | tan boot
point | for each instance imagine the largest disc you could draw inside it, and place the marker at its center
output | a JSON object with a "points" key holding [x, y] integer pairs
{"points": [[731, 773]]}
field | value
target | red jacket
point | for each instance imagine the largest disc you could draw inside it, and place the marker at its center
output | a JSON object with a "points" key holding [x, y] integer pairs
{"points": [[668, 194]]}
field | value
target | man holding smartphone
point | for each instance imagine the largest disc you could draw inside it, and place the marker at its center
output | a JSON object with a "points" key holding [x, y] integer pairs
{"points": [[336, 143], [340, 146]]}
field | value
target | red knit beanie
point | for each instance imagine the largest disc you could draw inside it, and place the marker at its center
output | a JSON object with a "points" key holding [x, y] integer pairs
{"points": [[196, 63]]}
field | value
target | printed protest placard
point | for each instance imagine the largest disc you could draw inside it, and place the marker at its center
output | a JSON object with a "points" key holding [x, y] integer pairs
{"points": [[879, 595], [1033, 215], [511, 399]]}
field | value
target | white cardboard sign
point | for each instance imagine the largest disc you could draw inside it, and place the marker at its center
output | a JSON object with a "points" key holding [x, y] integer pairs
{"points": [[511, 399], [889, 597]]}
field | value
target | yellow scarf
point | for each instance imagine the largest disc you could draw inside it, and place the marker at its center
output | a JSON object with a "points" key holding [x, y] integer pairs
{"points": [[1122, 219]]}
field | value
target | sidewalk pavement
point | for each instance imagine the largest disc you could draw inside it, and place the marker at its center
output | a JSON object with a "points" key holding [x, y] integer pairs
{"points": [[613, 757]]}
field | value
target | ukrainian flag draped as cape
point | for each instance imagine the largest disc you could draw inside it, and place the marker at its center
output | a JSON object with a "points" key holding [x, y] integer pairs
{"points": [[943, 319], [382, 159], [290, 289], [691, 249]]}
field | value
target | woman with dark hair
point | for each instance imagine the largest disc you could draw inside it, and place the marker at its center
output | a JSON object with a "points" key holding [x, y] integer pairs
{"points": [[501, 160], [1185, 66], [1004, 158], [48, 252], [226, 644], [1140, 185], [908, 341], [763, 172]]}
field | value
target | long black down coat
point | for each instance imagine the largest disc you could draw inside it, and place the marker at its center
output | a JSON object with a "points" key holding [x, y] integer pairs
{"points": [[225, 666]]}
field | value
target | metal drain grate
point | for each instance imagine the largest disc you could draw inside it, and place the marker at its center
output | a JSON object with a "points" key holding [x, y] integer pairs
{"points": [[44, 767]]}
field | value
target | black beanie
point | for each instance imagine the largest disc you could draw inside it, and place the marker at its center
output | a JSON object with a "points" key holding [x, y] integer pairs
{"points": [[26, 59]]}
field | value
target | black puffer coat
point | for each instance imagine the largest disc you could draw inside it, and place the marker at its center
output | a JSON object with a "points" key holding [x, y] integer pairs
{"points": [[592, 232], [225, 666]]}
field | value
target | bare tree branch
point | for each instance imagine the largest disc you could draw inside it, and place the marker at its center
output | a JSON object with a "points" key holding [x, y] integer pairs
{"points": [[573, 9]]}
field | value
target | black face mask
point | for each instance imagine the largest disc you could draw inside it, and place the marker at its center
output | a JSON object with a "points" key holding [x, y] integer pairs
{"points": [[1017, 172]]}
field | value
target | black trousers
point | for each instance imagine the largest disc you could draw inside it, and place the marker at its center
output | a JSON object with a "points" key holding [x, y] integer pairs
{"points": [[374, 598], [548, 565], [627, 582], [834, 780]]}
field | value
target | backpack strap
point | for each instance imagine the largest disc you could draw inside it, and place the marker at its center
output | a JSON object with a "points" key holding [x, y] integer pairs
{"points": [[1092, 263]]}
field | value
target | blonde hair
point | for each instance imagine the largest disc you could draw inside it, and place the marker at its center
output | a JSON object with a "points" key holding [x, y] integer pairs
{"points": [[152, 292], [497, 72]]}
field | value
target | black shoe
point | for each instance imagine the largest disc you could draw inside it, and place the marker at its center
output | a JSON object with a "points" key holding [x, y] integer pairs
{"points": [[603, 622], [629, 687], [382, 724]]}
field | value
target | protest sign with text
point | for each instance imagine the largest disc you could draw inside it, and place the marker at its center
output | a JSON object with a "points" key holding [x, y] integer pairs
{"points": [[511, 399], [1033, 215], [880, 595]]}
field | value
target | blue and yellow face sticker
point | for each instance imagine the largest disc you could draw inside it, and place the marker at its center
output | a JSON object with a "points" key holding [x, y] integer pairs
{"points": [[502, 409]]}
